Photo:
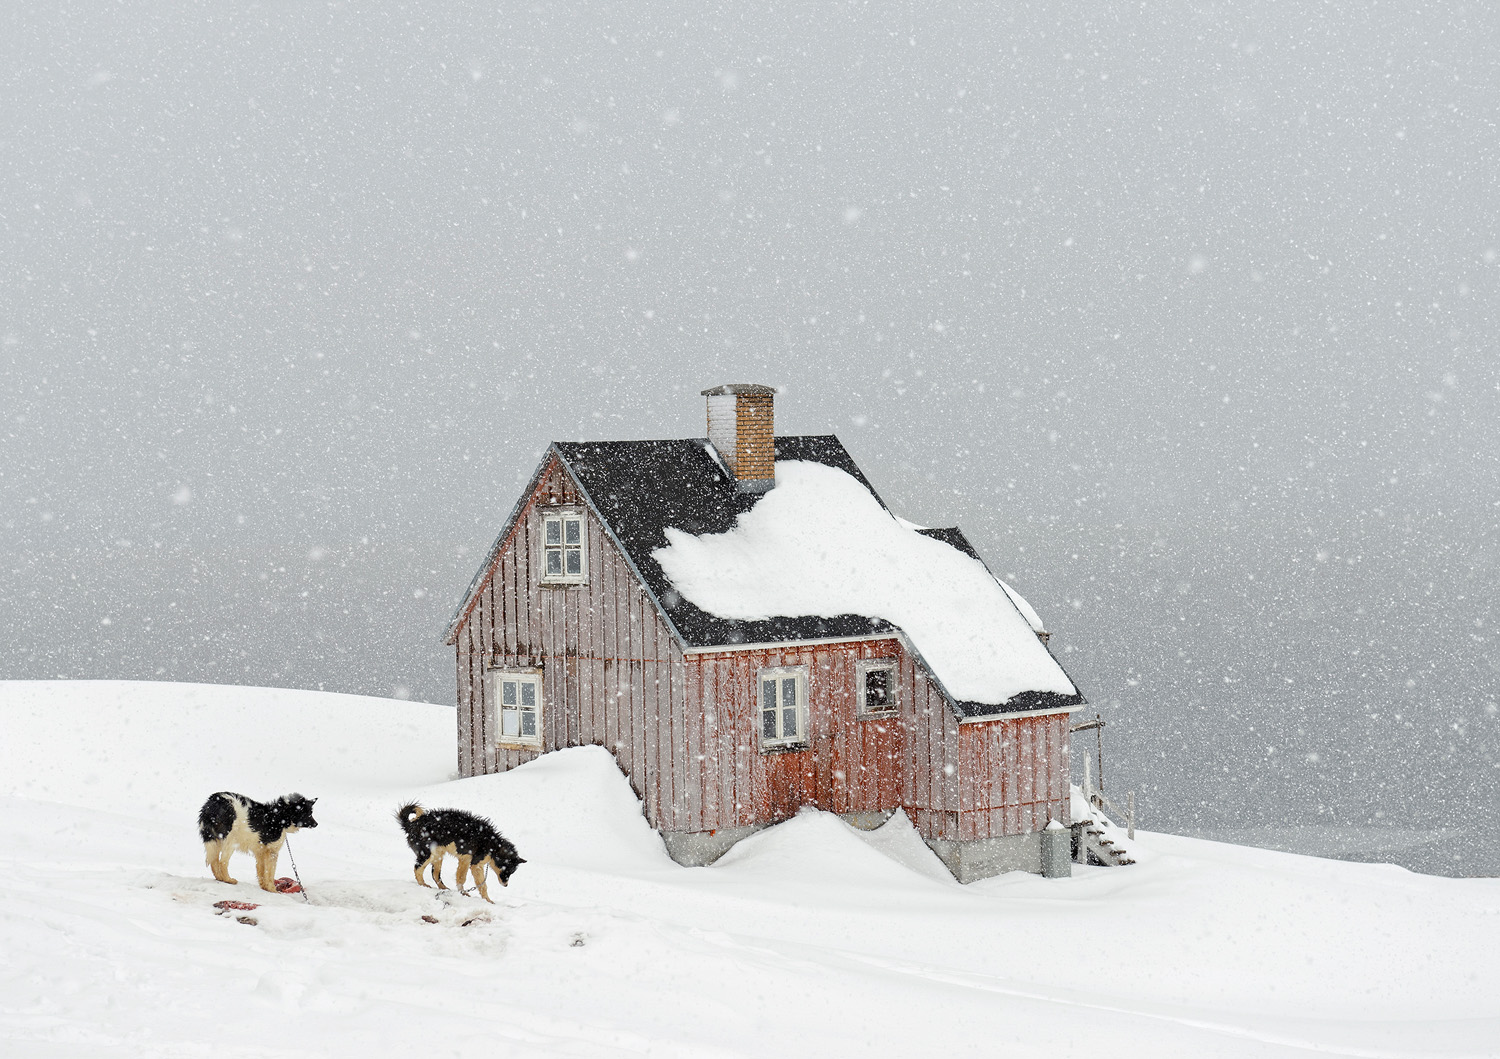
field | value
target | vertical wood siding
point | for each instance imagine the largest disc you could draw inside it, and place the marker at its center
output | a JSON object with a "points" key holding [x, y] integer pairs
{"points": [[685, 729], [606, 657], [849, 764], [1015, 775]]}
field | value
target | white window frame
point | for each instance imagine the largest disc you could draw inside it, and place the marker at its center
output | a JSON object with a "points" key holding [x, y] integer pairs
{"points": [[562, 517], [796, 676], [862, 668], [522, 678]]}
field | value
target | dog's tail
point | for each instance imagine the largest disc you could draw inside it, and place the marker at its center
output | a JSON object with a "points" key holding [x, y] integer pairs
{"points": [[407, 813]]}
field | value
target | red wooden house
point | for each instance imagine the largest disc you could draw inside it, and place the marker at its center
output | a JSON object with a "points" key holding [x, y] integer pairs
{"points": [[749, 630]]}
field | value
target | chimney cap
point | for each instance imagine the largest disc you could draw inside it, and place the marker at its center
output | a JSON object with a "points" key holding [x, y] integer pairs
{"points": [[739, 388]]}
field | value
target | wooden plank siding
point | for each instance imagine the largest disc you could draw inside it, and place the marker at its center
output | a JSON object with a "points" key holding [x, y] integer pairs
{"points": [[605, 654], [685, 727], [956, 781], [848, 764], [1016, 775]]}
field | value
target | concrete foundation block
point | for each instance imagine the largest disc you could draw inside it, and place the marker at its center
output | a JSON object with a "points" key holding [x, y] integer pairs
{"points": [[694, 849], [984, 858], [869, 820]]}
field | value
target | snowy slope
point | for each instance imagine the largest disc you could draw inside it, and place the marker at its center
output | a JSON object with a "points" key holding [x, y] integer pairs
{"points": [[809, 939]]}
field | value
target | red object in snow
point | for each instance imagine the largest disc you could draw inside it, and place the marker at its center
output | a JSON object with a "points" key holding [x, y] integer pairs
{"points": [[237, 906], [287, 886]]}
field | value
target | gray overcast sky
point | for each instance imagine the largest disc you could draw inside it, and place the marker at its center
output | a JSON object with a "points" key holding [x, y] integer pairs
{"points": [[1185, 312]]}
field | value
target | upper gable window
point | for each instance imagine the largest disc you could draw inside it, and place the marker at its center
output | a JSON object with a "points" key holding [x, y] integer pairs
{"points": [[783, 707], [565, 559], [876, 685]]}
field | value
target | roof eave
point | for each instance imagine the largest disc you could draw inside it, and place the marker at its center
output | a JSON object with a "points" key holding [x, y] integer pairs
{"points": [[466, 604], [624, 552], [1025, 703]]}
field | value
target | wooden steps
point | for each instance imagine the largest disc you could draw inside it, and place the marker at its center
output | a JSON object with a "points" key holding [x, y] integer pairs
{"points": [[1092, 846]]}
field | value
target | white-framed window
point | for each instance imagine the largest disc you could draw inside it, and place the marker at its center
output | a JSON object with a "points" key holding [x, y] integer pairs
{"points": [[518, 706], [565, 559], [875, 686], [783, 706]]}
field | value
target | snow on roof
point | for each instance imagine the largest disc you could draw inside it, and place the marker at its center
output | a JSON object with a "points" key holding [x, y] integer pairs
{"points": [[1032, 617], [820, 544]]}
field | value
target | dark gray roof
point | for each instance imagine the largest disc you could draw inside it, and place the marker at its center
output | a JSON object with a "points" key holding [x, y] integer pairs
{"points": [[639, 488], [953, 537], [735, 388]]}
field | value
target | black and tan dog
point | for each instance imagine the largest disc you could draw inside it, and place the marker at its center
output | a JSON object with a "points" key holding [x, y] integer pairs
{"points": [[229, 823], [472, 839]]}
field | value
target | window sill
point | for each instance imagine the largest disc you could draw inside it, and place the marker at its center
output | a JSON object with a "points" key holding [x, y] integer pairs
{"points": [[883, 715], [783, 748], [559, 583], [519, 744]]}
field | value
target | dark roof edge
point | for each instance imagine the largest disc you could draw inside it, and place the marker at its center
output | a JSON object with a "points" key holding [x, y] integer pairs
{"points": [[1022, 702], [624, 552], [450, 634], [859, 475], [737, 388], [966, 546]]}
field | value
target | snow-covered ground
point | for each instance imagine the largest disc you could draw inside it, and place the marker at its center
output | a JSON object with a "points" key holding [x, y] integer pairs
{"points": [[808, 939]]}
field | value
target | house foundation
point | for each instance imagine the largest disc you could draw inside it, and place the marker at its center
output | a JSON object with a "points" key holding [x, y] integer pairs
{"points": [[984, 858], [869, 820], [1045, 853], [694, 849]]}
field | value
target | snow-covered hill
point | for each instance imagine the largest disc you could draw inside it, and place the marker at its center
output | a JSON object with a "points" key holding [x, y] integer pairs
{"points": [[809, 939]]}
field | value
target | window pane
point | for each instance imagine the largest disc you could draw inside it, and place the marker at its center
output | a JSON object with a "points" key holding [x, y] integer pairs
{"points": [[528, 722], [508, 722], [554, 531], [789, 691], [554, 561], [789, 723], [768, 723], [575, 561], [877, 689], [528, 694], [768, 694], [508, 692], [574, 530]]}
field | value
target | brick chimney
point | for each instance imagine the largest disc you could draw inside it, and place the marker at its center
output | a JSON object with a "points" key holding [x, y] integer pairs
{"points": [[741, 426]]}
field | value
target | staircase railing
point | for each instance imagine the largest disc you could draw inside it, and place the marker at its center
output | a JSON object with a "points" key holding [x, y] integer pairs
{"points": [[1097, 799]]}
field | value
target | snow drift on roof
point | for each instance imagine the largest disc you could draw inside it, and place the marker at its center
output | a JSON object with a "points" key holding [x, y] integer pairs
{"points": [[820, 544], [1032, 617]]}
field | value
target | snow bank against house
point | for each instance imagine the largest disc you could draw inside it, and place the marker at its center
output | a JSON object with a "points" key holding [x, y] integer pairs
{"points": [[819, 544], [807, 939]]}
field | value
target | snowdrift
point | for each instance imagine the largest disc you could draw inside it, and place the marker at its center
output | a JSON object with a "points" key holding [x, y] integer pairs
{"points": [[807, 939]]}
